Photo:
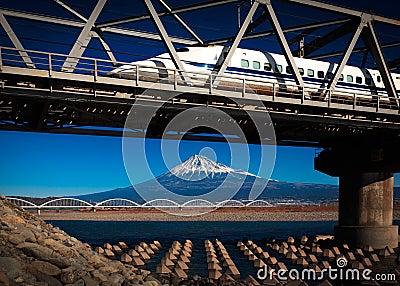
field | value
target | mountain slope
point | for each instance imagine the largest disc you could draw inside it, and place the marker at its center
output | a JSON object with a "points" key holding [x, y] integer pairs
{"points": [[199, 176]]}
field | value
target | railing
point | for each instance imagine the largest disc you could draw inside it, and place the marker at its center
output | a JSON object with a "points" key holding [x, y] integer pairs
{"points": [[265, 88]]}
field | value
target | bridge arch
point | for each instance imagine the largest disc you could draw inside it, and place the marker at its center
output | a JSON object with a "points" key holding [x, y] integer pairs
{"points": [[230, 203], [198, 203], [258, 203], [66, 203], [162, 203], [113, 203]]}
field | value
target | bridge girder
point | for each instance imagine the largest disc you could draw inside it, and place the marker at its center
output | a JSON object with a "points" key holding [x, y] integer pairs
{"points": [[90, 27]]}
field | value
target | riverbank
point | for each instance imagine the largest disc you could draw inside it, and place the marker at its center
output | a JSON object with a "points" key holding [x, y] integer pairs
{"points": [[279, 213]]}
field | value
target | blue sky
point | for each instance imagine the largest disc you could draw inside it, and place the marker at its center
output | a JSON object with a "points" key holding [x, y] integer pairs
{"points": [[38, 164]]}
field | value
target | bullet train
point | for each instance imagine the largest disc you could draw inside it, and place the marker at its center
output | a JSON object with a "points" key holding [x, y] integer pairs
{"points": [[256, 67]]}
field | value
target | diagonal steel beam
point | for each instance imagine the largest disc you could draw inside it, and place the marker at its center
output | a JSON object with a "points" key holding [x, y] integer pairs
{"points": [[371, 41], [72, 11], [83, 39], [17, 44], [167, 41], [79, 24], [94, 34], [106, 47], [353, 41], [283, 43], [182, 22], [319, 43], [177, 10], [221, 70]]}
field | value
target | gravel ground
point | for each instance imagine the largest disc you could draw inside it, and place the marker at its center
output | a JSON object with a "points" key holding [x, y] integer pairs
{"points": [[213, 216]]}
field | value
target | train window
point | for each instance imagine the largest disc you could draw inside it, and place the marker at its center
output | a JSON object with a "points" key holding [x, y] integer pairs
{"points": [[244, 63], [301, 71], [358, 79], [378, 78], [256, 65], [329, 75], [288, 70], [321, 74], [278, 68], [368, 81], [349, 78], [310, 73], [267, 67], [182, 50], [341, 78]]}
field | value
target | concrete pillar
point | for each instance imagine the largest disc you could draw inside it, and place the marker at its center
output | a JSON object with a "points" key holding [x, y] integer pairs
{"points": [[366, 210], [365, 191]]}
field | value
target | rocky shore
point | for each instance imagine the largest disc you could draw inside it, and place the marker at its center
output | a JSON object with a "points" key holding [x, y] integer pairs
{"points": [[35, 253]]}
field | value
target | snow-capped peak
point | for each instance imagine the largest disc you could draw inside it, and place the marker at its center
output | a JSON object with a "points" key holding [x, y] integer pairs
{"points": [[199, 165]]}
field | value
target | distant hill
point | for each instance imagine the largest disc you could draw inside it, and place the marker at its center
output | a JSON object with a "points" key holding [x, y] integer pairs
{"points": [[199, 176]]}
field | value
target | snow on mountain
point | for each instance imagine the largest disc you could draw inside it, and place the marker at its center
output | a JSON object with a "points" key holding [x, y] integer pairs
{"points": [[198, 167]]}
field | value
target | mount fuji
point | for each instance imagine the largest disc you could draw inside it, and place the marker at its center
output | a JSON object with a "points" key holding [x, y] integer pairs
{"points": [[199, 176]]}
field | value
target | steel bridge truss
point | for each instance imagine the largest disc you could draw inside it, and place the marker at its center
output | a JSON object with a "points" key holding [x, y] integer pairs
{"points": [[351, 22]]}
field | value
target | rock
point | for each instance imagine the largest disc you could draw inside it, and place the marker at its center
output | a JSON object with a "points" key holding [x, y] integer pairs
{"points": [[45, 268], [99, 276], [16, 238], [89, 281], [50, 280], [11, 266], [116, 279], [152, 279], [108, 269], [4, 279], [34, 250], [68, 275], [59, 247]]}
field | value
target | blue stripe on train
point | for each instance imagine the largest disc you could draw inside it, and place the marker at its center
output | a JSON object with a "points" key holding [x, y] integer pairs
{"points": [[289, 78]]}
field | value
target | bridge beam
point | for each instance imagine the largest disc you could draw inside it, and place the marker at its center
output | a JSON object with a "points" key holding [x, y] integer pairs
{"points": [[167, 41], [371, 41], [93, 34], [365, 192], [182, 22], [225, 59], [353, 41], [17, 44], [283, 43], [83, 39]]}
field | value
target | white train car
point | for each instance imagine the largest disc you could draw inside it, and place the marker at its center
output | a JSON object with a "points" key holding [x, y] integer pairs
{"points": [[258, 67]]}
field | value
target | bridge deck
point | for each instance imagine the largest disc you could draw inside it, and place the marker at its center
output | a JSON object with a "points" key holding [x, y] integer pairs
{"points": [[48, 99]]}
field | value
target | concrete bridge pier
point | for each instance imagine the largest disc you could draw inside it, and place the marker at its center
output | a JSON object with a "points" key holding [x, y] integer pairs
{"points": [[365, 194]]}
